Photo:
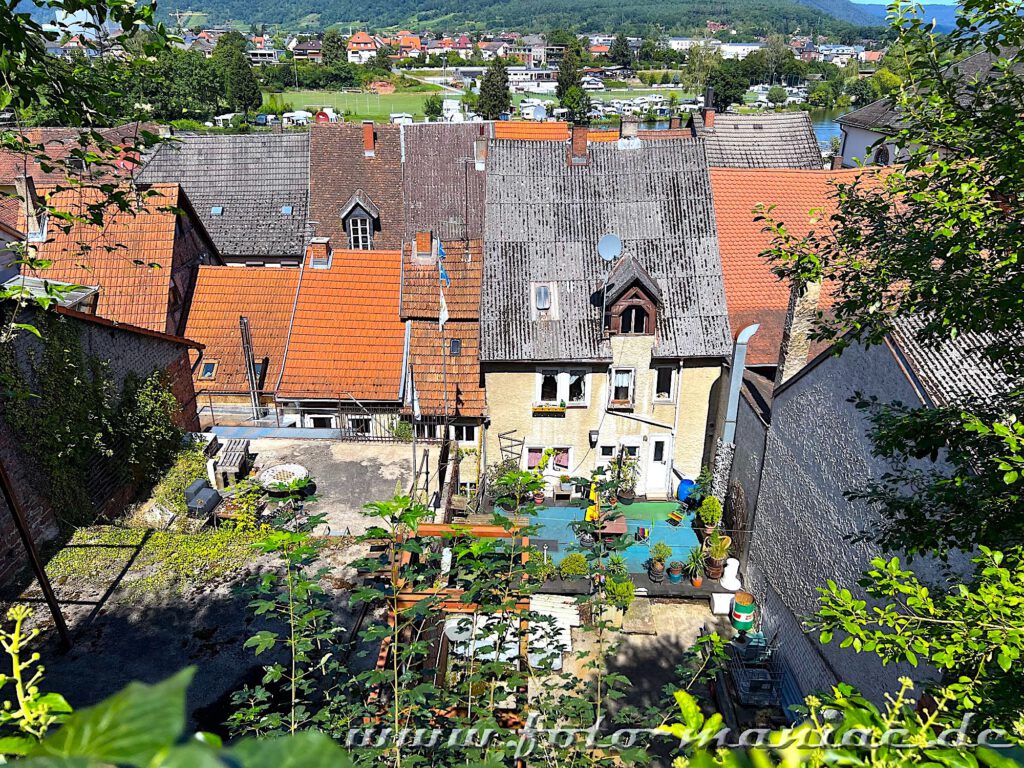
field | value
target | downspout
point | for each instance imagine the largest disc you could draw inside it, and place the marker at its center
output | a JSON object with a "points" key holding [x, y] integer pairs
{"points": [[726, 448]]}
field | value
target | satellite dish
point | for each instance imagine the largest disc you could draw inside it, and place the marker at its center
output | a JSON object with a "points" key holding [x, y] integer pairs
{"points": [[610, 247]]}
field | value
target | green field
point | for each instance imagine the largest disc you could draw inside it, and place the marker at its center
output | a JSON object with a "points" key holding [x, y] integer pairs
{"points": [[358, 106]]}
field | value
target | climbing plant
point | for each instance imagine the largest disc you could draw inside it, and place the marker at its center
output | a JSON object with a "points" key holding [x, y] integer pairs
{"points": [[65, 407]]}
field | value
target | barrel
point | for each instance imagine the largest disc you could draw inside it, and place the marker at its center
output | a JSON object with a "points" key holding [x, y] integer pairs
{"points": [[743, 606]]}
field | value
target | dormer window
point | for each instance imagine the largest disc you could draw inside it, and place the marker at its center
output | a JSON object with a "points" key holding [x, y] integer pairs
{"points": [[360, 233], [633, 320], [361, 218]]}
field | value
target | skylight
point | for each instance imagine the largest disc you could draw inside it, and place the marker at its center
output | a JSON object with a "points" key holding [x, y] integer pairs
{"points": [[286, 210], [217, 210]]}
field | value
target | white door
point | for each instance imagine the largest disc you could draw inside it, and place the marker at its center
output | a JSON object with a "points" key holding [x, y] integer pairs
{"points": [[659, 467]]}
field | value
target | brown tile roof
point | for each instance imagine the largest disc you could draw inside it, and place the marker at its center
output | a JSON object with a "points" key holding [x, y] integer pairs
{"points": [[527, 131], [753, 293], [339, 168], [10, 215], [433, 364], [59, 142], [464, 264], [347, 339], [131, 257], [265, 295]]}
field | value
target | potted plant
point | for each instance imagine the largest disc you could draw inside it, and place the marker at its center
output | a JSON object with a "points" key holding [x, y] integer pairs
{"points": [[538, 496], [660, 552], [718, 547], [586, 540], [617, 568], [573, 566], [565, 482], [626, 471], [675, 571], [694, 566], [710, 514]]}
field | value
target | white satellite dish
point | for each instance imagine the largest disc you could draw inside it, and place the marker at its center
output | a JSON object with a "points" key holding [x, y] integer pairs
{"points": [[610, 247]]}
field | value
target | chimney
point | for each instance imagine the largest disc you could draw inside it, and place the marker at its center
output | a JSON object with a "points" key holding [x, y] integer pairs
{"points": [[837, 162], [578, 146], [26, 189], [708, 112], [369, 139], [796, 346], [480, 153], [628, 128], [423, 248], [675, 123], [318, 252]]}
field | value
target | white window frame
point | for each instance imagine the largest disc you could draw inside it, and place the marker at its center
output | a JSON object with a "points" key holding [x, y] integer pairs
{"points": [[611, 385], [367, 420], [551, 470], [671, 398], [463, 427], [360, 233], [562, 379]]}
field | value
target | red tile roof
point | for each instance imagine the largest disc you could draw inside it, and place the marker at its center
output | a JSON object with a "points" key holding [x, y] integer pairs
{"points": [[597, 135], [433, 365], [753, 293], [527, 131], [420, 289], [132, 257], [347, 339], [265, 295]]}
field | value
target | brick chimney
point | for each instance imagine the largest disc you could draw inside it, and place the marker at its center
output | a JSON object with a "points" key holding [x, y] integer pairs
{"points": [[629, 128], [796, 345], [675, 123], [480, 153], [708, 111], [318, 252], [25, 187], [578, 146], [423, 248], [837, 162], [369, 139]]}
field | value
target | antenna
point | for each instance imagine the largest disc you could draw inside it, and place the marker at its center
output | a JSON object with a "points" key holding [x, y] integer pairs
{"points": [[609, 247]]}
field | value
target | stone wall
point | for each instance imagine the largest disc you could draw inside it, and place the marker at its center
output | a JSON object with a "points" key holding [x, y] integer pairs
{"points": [[818, 448], [126, 352]]}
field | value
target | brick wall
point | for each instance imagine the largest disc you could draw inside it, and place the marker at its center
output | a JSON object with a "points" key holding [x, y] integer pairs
{"points": [[126, 352]]}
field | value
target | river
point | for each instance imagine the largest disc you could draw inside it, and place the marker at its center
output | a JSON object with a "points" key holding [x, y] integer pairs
{"points": [[825, 125]]}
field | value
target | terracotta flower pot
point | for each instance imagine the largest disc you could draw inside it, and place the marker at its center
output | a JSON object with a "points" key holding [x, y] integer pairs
{"points": [[697, 581]]}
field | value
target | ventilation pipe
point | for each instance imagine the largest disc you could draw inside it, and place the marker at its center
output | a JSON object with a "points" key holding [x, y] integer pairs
{"points": [[739, 362]]}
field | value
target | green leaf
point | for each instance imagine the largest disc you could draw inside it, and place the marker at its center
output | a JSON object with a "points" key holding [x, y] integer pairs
{"points": [[304, 750], [262, 641], [132, 726], [16, 745]]}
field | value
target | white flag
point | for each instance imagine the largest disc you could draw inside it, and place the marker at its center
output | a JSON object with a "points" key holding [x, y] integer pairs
{"points": [[442, 316]]}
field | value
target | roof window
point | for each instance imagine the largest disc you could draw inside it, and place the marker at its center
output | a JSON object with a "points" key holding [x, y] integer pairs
{"points": [[286, 210], [217, 210]]}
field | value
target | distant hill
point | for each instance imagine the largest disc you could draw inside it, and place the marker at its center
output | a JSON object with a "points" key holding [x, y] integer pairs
{"points": [[636, 17], [944, 16]]}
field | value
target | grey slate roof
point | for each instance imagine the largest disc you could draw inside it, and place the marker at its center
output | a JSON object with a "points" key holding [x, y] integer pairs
{"points": [[954, 370], [251, 177], [544, 219], [770, 140], [443, 191], [882, 116]]}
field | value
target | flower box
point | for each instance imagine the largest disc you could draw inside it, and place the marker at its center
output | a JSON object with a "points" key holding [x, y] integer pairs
{"points": [[548, 409]]}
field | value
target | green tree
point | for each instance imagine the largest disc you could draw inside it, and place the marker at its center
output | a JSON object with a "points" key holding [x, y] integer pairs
{"points": [[821, 95], [937, 239], [332, 48], [578, 103], [619, 51], [729, 83], [777, 95], [381, 60], [885, 81], [862, 91], [179, 84], [568, 74], [495, 97], [241, 89], [433, 106], [701, 61]]}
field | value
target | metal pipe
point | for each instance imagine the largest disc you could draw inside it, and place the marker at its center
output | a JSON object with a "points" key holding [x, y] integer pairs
{"points": [[739, 361]]}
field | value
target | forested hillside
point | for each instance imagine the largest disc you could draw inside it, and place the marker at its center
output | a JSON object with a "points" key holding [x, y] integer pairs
{"points": [[639, 17]]}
